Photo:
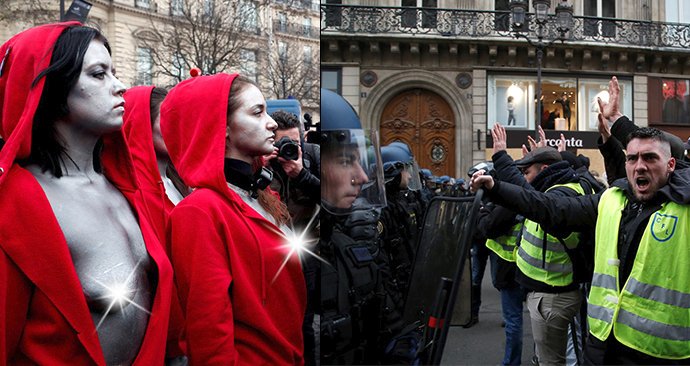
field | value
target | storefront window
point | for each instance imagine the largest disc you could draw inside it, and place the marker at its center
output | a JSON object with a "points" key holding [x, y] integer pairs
{"points": [[590, 90], [669, 101], [511, 101]]}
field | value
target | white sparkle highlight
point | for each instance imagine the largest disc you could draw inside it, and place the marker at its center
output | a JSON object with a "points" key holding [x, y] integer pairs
{"points": [[119, 294], [299, 244]]}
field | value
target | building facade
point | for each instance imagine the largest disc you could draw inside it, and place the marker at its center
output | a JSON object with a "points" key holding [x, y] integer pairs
{"points": [[438, 74], [270, 29]]}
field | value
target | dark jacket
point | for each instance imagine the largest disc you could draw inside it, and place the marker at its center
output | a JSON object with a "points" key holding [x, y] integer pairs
{"points": [[614, 158], [507, 171], [565, 214], [303, 193]]}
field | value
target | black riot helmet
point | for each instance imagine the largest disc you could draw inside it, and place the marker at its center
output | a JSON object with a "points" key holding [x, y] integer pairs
{"points": [[352, 175]]}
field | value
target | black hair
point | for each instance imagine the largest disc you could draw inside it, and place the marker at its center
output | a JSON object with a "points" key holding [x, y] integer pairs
{"points": [[286, 120], [650, 133], [157, 96], [47, 147]]}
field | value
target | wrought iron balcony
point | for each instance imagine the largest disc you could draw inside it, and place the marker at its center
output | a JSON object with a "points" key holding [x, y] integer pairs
{"points": [[295, 29], [469, 24]]}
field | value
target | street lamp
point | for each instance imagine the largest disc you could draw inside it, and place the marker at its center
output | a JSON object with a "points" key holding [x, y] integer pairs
{"points": [[564, 23]]}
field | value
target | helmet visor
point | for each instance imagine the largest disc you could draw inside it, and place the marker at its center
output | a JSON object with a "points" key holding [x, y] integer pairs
{"points": [[352, 172], [411, 170]]}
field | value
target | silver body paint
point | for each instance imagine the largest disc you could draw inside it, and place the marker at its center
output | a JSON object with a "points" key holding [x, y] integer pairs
{"points": [[107, 250]]}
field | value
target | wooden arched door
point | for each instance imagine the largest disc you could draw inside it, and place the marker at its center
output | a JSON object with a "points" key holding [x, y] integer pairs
{"points": [[423, 120]]}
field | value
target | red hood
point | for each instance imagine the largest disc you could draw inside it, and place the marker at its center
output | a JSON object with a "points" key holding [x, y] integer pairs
{"points": [[24, 56], [193, 124], [137, 129]]}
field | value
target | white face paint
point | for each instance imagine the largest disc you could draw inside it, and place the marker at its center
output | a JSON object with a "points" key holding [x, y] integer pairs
{"points": [[95, 102], [251, 129]]}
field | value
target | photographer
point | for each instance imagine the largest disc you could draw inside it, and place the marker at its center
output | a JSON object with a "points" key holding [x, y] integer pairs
{"points": [[295, 174], [296, 178]]}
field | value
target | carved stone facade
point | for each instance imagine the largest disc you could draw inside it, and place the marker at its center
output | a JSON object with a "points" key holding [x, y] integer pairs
{"points": [[124, 22], [460, 68]]}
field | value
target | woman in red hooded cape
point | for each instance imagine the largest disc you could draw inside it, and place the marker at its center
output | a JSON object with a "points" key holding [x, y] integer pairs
{"points": [[241, 286], [58, 252]]}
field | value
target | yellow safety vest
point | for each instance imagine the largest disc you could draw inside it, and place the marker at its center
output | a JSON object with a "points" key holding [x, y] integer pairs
{"points": [[505, 245], [651, 313], [553, 265]]}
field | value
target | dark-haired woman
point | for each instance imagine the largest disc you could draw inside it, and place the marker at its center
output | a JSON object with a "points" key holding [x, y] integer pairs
{"points": [[83, 278], [160, 185], [241, 286]]}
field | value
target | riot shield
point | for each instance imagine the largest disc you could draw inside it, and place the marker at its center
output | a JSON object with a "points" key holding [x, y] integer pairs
{"points": [[443, 250]]}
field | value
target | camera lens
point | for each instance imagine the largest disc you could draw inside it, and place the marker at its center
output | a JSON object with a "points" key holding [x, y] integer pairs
{"points": [[287, 149]]}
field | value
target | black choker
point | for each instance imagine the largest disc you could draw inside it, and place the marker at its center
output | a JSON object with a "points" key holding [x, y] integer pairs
{"points": [[238, 173]]}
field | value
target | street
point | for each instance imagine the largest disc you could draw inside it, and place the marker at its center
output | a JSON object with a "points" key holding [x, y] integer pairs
{"points": [[483, 343]]}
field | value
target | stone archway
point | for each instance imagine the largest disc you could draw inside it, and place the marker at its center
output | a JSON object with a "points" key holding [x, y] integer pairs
{"points": [[372, 108], [423, 120]]}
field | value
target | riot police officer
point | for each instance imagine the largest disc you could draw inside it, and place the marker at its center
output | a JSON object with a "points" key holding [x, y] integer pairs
{"points": [[401, 219], [354, 305]]}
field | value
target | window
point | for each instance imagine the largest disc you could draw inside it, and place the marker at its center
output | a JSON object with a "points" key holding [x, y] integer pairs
{"points": [[144, 66], [177, 7], [410, 16], [142, 4], [282, 22], [334, 15], [250, 15], [429, 16], [308, 86], [502, 20], [306, 25], [591, 89], [208, 8], [306, 51], [678, 11], [600, 9], [178, 65], [331, 79], [669, 101], [248, 60], [568, 103], [282, 51]]}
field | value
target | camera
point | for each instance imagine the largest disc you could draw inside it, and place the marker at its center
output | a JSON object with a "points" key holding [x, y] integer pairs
{"points": [[287, 149]]}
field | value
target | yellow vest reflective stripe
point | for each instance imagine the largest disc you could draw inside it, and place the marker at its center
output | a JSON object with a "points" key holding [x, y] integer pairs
{"points": [[652, 311], [551, 266], [504, 245]]}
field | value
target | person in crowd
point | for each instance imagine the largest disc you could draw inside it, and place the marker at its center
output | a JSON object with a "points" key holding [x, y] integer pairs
{"points": [[544, 269], [636, 312], [239, 280], [295, 175], [400, 221], [427, 191], [296, 179], [615, 128], [83, 277], [152, 164], [479, 254], [158, 178], [358, 316]]}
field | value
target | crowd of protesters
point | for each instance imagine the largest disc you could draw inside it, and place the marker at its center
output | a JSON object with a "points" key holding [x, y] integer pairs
{"points": [[152, 226]]}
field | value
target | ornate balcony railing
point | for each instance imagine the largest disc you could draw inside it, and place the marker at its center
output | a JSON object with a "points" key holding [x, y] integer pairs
{"points": [[295, 29], [438, 23]]}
